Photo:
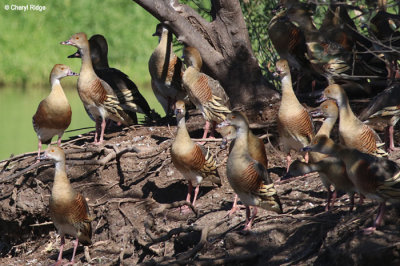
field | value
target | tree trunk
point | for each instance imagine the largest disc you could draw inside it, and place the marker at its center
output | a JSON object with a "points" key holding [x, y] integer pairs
{"points": [[223, 43]]}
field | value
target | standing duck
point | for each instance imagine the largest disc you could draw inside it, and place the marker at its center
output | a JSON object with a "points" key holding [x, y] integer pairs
{"points": [[375, 177], [98, 98], [256, 150], [192, 160], [124, 88], [249, 178], [353, 132], [295, 127], [53, 114], [204, 92], [68, 208], [165, 69], [332, 171]]}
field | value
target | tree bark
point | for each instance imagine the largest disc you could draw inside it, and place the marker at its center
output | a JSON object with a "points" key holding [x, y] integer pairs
{"points": [[223, 43]]}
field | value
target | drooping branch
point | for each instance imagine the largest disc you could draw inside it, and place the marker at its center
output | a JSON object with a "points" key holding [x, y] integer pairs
{"points": [[176, 16], [223, 43]]}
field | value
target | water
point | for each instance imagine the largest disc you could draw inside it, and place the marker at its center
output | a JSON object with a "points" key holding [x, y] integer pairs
{"points": [[17, 107]]}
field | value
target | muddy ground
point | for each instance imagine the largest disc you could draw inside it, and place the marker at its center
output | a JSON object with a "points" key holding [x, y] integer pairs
{"points": [[134, 192]]}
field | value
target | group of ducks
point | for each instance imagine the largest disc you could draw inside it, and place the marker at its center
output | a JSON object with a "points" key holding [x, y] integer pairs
{"points": [[337, 51], [108, 94]]}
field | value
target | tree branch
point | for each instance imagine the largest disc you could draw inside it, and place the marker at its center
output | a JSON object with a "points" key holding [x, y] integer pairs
{"points": [[177, 17]]}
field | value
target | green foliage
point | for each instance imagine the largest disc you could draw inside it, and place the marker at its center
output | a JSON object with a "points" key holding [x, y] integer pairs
{"points": [[30, 41], [258, 14]]}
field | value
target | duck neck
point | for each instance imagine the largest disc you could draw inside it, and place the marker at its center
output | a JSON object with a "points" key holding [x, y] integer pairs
{"points": [[87, 66], [103, 62], [166, 42], [241, 141], [344, 108], [327, 126], [57, 95], [60, 176], [287, 89], [182, 134], [56, 87], [60, 167]]}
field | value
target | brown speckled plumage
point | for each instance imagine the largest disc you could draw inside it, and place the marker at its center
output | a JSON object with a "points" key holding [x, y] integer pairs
{"points": [[166, 70], [249, 178], [98, 97], [294, 123], [375, 177], [353, 132], [53, 115], [68, 208], [204, 92], [191, 159], [124, 88]]}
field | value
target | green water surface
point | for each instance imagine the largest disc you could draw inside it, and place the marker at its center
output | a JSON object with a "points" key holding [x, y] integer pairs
{"points": [[17, 107]]}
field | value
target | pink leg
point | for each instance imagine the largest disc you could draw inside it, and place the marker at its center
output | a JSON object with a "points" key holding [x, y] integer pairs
{"points": [[39, 149], [189, 194], [206, 129], [235, 206], [103, 127], [249, 220], [289, 161], [59, 260], [98, 128], [196, 192], [391, 141], [59, 140], [306, 157], [185, 208], [378, 220], [73, 254]]}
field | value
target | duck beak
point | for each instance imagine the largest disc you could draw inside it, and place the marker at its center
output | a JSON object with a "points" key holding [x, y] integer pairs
{"points": [[71, 73], [224, 124], [178, 111], [322, 98], [42, 157], [224, 143], [307, 148], [77, 54], [68, 42], [316, 113]]}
